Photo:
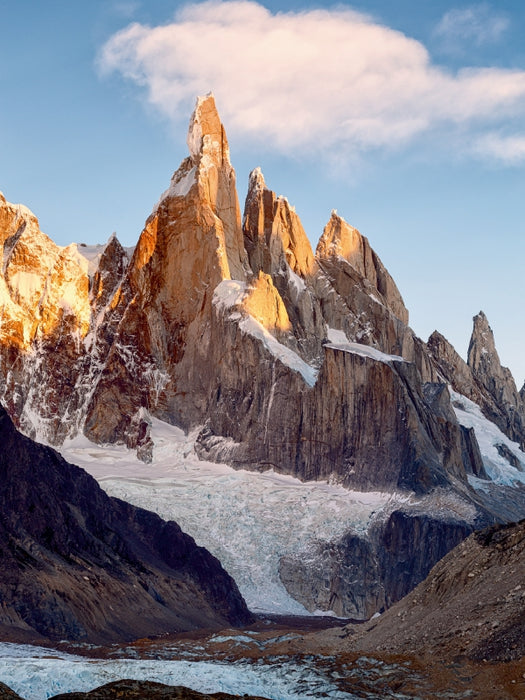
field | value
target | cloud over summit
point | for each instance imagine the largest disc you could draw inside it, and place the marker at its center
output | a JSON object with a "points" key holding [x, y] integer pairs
{"points": [[325, 79]]}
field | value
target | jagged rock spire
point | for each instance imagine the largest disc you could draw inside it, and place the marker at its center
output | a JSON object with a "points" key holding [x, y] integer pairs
{"points": [[482, 348], [273, 234], [485, 364], [206, 134], [339, 239]]}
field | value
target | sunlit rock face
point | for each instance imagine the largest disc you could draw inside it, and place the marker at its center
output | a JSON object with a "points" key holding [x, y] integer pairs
{"points": [[285, 359], [50, 318], [190, 243], [273, 356], [340, 240]]}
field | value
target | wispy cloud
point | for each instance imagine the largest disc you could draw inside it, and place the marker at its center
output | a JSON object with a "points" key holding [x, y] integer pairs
{"points": [[328, 80], [506, 149], [477, 24]]}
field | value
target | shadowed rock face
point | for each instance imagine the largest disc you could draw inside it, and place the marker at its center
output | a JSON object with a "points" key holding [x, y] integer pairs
{"points": [[358, 576], [80, 565]]}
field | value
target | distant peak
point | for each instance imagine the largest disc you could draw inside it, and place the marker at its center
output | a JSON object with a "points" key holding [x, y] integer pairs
{"points": [[480, 318], [482, 329], [482, 348]]}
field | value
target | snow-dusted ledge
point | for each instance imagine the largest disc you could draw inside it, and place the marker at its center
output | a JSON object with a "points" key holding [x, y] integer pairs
{"points": [[338, 341]]}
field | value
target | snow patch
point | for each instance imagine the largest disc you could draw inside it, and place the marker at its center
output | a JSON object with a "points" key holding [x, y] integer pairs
{"points": [[338, 341], [229, 294], [27, 284], [287, 356], [296, 282], [87, 256], [194, 137], [228, 297], [181, 183]]}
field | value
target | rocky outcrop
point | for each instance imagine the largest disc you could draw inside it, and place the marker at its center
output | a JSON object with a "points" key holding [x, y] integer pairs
{"points": [[57, 306], [79, 565], [277, 246], [342, 241], [363, 416], [508, 410]]}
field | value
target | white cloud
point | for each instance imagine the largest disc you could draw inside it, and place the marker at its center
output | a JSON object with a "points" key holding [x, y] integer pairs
{"points": [[476, 24], [507, 149], [332, 80]]}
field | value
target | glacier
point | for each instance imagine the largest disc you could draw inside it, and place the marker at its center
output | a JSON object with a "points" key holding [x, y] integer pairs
{"points": [[248, 520]]}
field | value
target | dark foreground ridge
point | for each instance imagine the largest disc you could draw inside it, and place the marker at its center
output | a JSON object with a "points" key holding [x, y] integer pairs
{"points": [[134, 690], [79, 565]]}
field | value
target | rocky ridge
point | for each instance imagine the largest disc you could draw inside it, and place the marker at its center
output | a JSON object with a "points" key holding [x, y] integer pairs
{"points": [[79, 565], [482, 378]]}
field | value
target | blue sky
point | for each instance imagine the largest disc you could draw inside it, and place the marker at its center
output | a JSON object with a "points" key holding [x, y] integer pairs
{"points": [[407, 117]]}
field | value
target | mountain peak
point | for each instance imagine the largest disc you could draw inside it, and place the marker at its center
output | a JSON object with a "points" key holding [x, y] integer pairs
{"points": [[206, 135], [256, 180], [482, 348]]}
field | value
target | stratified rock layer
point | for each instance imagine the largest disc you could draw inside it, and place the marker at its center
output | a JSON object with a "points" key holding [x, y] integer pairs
{"points": [[79, 565]]}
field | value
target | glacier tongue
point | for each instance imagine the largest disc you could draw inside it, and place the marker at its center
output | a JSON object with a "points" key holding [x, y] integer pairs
{"points": [[248, 520]]}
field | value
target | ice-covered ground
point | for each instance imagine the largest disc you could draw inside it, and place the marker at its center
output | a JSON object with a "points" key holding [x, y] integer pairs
{"points": [[36, 673], [488, 435], [247, 519]]}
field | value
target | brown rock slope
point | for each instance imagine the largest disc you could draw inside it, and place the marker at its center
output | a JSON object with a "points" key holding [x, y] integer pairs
{"points": [[472, 603], [79, 565]]}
